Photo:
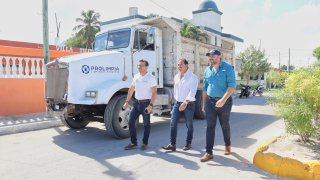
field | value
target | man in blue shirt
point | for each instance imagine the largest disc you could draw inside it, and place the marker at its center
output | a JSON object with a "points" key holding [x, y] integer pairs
{"points": [[218, 86]]}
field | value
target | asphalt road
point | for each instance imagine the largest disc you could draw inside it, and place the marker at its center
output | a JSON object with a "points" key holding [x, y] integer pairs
{"points": [[61, 153]]}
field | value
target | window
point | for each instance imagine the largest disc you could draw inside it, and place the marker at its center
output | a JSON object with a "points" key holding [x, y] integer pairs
{"points": [[118, 39], [101, 42], [140, 41]]}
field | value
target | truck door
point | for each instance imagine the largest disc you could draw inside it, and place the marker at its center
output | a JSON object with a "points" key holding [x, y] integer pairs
{"points": [[144, 51]]}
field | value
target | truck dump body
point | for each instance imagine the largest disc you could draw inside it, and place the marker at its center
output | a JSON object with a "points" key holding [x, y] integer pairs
{"points": [[174, 46]]}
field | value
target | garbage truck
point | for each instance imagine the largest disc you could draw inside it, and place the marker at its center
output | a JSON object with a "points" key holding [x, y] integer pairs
{"points": [[93, 86]]}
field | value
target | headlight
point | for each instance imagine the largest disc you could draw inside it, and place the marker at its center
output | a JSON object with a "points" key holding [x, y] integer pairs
{"points": [[91, 94]]}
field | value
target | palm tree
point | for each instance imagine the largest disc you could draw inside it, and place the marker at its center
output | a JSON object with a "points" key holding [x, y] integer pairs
{"points": [[89, 26]]}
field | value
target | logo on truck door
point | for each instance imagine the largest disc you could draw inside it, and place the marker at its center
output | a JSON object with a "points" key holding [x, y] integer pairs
{"points": [[99, 69], [85, 69]]}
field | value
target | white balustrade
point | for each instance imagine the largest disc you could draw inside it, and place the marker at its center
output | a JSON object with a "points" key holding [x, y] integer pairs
{"points": [[12, 67], [39, 75], [27, 69], [7, 68], [42, 70], [1, 67], [32, 69], [20, 68]]}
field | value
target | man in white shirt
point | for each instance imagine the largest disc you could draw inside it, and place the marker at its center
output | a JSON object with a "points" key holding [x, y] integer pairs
{"points": [[185, 89], [144, 85]]}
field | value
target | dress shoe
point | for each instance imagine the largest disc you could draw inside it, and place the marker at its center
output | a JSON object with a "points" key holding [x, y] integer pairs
{"points": [[130, 146], [187, 147], [227, 150], [143, 147], [169, 147], [206, 157]]}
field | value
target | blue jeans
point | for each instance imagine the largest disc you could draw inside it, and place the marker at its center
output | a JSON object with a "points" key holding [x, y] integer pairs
{"points": [[137, 110], [212, 113], [188, 115]]}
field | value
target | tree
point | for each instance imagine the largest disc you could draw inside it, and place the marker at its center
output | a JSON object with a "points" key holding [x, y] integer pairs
{"points": [[253, 63], [285, 68], [193, 32], [151, 15], [262, 67], [316, 53], [76, 40], [88, 27], [298, 103], [277, 78]]}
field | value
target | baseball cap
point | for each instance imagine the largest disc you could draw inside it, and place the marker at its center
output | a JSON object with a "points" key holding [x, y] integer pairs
{"points": [[213, 52]]}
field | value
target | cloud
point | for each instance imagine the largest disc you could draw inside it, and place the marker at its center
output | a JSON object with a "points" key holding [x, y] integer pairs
{"points": [[267, 5], [297, 30]]}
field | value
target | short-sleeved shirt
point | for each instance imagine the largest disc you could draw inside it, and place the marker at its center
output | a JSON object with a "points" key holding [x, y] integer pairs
{"points": [[143, 85], [216, 84]]}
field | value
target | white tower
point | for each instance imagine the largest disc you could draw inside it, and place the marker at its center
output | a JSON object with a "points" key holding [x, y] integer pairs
{"points": [[208, 15]]}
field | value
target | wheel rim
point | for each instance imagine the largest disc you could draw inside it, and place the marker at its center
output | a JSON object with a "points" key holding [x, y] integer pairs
{"points": [[124, 118]]}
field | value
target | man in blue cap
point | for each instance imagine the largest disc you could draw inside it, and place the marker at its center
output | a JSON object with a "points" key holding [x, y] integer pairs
{"points": [[218, 86]]}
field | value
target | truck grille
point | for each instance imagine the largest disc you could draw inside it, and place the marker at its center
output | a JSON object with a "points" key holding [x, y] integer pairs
{"points": [[56, 83]]}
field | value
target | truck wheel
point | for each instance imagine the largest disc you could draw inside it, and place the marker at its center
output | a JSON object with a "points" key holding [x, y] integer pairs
{"points": [[76, 122], [198, 111], [116, 120]]}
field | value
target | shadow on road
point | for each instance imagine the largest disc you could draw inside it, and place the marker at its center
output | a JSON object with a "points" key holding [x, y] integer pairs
{"points": [[241, 164], [93, 142], [251, 100]]}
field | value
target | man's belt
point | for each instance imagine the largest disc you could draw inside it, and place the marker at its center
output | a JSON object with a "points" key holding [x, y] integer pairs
{"points": [[143, 100], [214, 98], [190, 102]]}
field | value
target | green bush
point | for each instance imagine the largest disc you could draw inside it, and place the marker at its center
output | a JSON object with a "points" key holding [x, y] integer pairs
{"points": [[298, 103]]}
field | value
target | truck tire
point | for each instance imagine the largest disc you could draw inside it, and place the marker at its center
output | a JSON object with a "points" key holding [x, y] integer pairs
{"points": [[198, 113], [116, 120], [76, 122]]}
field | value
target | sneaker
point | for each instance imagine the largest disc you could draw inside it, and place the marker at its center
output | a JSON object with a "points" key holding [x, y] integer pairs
{"points": [[206, 157], [130, 146], [187, 147], [170, 147], [143, 147], [227, 150]]}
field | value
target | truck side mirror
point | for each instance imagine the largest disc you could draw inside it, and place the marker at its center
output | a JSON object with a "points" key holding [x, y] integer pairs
{"points": [[150, 36]]}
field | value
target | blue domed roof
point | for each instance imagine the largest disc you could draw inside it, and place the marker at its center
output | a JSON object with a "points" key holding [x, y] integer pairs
{"points": [[208, 4]]}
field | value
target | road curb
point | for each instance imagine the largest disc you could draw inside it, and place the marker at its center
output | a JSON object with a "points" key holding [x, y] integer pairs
{"points": [[52, 122], [284, 166]]}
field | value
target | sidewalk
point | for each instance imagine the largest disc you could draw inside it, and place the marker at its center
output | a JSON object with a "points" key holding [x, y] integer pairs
{"points": [[27, 122]]}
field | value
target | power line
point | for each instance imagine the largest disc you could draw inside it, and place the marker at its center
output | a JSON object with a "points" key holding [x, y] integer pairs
{"points": [[165, 9]]}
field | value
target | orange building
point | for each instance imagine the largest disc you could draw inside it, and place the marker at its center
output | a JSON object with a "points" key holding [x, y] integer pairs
{"points": [[22, 78]]}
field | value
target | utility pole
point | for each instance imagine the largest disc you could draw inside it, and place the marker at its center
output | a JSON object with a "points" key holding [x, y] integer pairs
{"points": [[57, 39], [45, 31]]}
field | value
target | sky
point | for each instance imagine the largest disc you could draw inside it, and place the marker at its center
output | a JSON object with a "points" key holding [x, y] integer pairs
{"points": [[273, 25]]}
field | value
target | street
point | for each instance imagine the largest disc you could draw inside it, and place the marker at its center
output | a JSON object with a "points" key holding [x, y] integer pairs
{"points": [[61, 153]]}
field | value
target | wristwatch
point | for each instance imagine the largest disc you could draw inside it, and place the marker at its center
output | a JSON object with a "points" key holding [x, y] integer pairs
{"points": [[151, 104], [186, 102]]}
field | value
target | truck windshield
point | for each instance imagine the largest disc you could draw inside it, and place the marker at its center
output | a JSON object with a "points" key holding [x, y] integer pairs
{"points": [[118, 39], [101, 42], [113, 40]]}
